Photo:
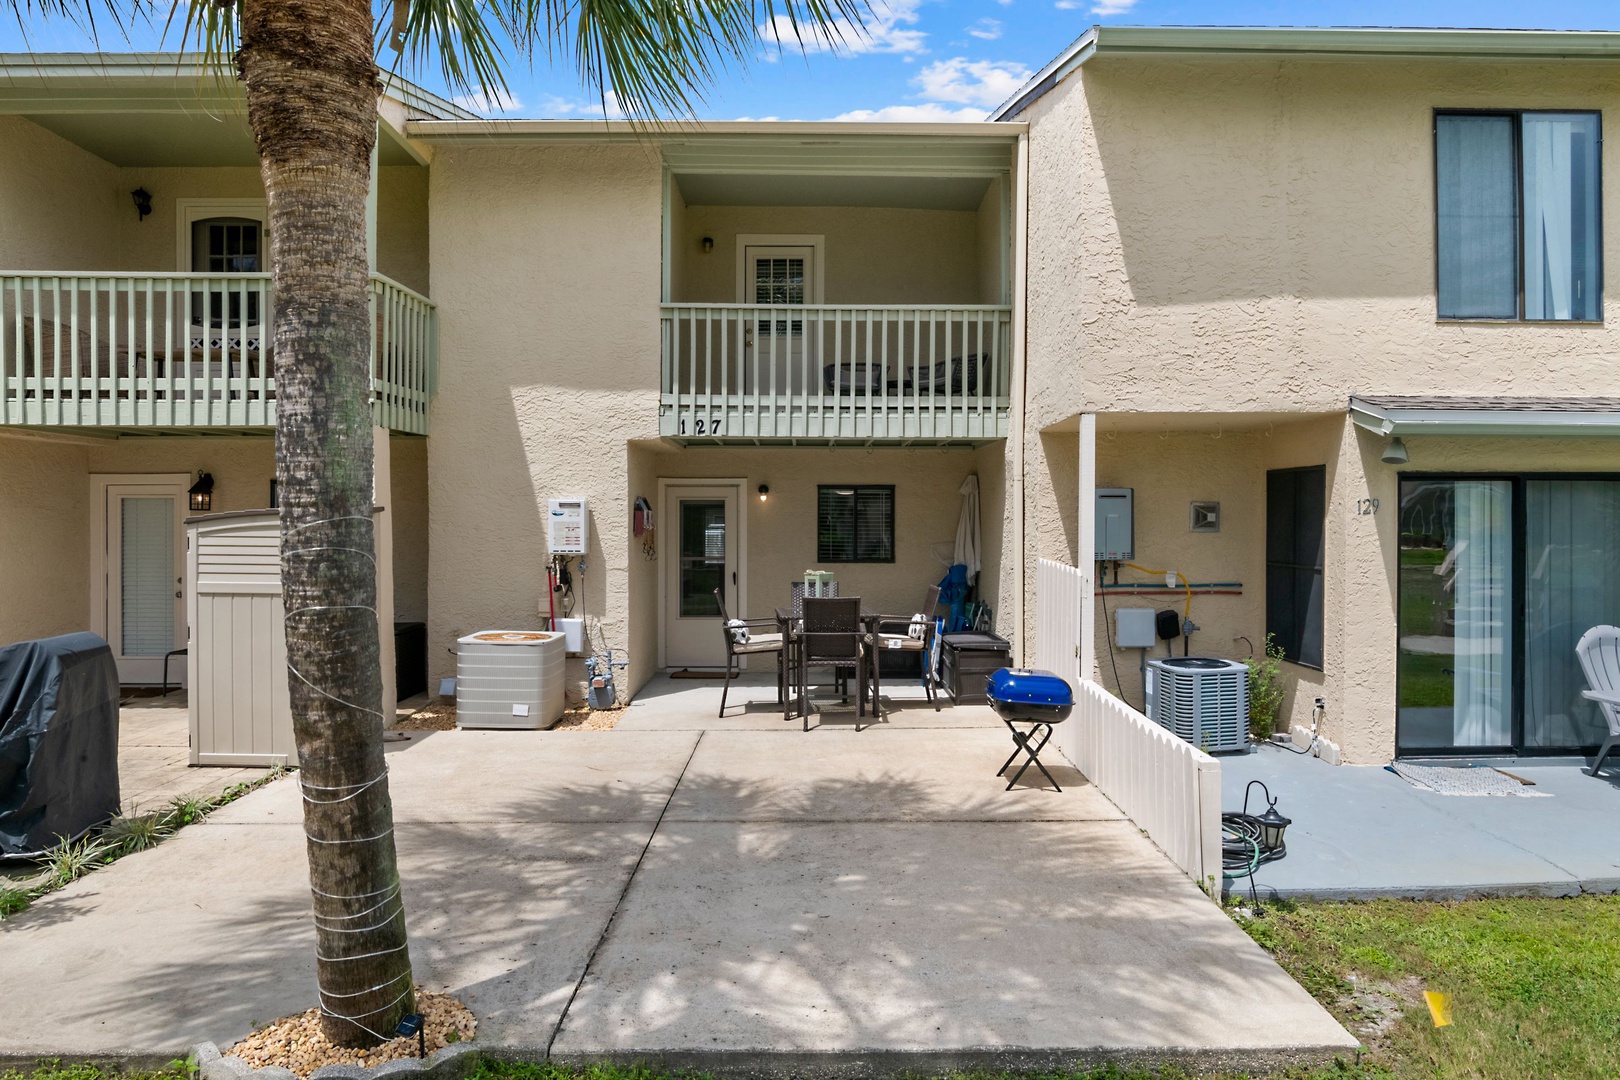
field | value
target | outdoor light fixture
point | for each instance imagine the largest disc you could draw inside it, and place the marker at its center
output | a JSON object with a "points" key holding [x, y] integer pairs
{"points": [[414, 1024], [202, 492], [1395, 452], [1272, 824], [764, 491], [708, 244], [143, 202]]}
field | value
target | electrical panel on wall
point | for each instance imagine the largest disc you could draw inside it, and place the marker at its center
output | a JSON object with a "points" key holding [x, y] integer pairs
{"points": [[567, 527], [1115, 524]]}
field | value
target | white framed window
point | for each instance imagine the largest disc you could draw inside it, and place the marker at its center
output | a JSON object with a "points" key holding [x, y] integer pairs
{"points": [[192, 213]]}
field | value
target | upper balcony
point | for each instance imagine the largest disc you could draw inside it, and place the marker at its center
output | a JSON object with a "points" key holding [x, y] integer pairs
{"points": [[139, 351], [851, 288], [133, 291]]}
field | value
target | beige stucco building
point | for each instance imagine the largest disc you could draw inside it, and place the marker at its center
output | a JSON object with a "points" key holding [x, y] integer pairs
{"points": [[1170, 265], [1235, 234]]}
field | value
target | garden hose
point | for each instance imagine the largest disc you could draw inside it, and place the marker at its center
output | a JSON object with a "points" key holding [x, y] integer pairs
{"points": [[1242, 853]]}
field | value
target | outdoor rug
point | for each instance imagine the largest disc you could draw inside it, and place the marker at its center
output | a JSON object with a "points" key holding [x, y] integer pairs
{"points": [[1465, 780]]}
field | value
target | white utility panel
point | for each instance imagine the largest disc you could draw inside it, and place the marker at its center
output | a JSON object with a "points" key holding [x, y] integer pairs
{"points": [[567, 527], [1134, 628]]}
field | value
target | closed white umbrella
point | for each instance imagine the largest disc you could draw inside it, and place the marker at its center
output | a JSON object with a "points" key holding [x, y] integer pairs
{"points": [[968, 542]]}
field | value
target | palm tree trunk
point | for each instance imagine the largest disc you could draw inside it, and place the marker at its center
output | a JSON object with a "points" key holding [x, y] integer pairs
{"points": [[312, 86]]}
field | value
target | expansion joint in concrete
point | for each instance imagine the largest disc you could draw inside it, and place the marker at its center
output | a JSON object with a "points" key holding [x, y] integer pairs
{"points": [[607, 926]]}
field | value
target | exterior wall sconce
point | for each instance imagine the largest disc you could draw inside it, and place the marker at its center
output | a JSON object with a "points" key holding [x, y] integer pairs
{"points": [[143, 202], [764, 492], [708, 244], [202, 492], [1395, 452]]}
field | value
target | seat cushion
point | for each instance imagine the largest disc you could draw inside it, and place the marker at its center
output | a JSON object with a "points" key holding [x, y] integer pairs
{"points": [[760, 643], [905, 641]]}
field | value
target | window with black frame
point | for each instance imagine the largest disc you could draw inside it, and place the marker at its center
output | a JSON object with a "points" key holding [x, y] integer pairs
{"points": [[855, 523], [1518, 230], [1296, 508]]}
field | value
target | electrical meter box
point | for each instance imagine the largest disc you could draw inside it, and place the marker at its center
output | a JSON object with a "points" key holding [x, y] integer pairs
{"points": [[1134, 628], [1116, 524], [567, 527]]}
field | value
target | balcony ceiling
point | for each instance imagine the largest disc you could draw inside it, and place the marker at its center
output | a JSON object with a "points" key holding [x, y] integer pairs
{"points": [[148, 110], [903, 192]]}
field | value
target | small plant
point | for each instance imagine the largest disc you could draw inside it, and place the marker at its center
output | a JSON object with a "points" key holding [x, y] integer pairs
{"points": [[185, 810], [136, 833], [13, 900], [1266, 690], [70, 860]]}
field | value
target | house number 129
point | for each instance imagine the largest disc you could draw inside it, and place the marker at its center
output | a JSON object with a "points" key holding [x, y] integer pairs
{"points": [[1366, 507]]}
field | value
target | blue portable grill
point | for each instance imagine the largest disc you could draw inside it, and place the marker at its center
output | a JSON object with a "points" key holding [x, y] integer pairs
{"points": [[1037, 698]]}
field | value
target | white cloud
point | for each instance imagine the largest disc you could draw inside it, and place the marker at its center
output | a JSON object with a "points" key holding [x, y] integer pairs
{"points": [[986, 29], [887, 30], [560, 108], [489, 104], [1070, 5], [1111, 7], [930, 113], [985, 83]]}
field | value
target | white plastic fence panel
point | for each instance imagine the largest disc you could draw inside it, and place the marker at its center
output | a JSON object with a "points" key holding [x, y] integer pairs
{"points": [[1169, 788]]}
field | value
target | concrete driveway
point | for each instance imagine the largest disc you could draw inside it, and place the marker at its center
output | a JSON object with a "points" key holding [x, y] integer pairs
{"points": [[735, 895]]}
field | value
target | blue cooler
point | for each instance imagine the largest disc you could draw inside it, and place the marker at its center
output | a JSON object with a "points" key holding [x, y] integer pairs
{"points": [[1037, 698], [1021, 694]]}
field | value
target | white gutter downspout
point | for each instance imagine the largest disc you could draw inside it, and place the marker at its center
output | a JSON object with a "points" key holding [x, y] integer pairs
{"points": [[1019, 333]]}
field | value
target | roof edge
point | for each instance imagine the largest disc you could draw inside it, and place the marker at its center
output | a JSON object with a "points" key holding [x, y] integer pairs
{"points": [[517, 130], [1346, 42]]}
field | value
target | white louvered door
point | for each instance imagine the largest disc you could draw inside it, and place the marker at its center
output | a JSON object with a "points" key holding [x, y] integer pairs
{"points": [[144, 574]]}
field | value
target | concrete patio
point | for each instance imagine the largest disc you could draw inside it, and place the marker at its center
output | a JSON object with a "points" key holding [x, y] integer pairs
{"points": [[728, 894], [1360, 831]]}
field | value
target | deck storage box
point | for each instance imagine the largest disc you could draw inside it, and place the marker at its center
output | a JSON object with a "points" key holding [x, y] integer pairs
{"points": [[967, 661]]}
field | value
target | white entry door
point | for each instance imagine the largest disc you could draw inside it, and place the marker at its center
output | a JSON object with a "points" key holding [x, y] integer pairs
{"points": [[700, 555], [141, 575], [779, 275]]}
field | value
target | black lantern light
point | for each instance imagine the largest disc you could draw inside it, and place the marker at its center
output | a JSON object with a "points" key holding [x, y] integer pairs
{"points": [[202, 492], [1272, 823], [764, 492], [414, 1024], [143, 202]]}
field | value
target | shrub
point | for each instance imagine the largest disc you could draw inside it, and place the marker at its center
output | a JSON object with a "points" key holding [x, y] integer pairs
{"points": [[1266, 690]]}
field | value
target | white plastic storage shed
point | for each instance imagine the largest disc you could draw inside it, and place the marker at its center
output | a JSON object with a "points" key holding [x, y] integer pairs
{"points": [[238, 699]]}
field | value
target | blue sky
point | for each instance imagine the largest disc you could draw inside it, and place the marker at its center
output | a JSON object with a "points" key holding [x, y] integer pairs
{"points": [[944, 59]]}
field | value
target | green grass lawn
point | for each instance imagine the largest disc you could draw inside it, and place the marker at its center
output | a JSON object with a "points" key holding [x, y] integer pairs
{"points": [[1535, 984], [1535, 988]]}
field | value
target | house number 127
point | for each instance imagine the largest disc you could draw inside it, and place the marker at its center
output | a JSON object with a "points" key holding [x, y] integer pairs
{"points": [[1366, 507]]}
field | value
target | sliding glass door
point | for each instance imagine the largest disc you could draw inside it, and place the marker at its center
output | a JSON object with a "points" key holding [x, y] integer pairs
{"points": [[1453, 673], [1498, 579], [1571, 584]]}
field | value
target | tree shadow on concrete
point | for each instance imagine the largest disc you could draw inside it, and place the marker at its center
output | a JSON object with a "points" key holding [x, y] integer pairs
{"points": [[802, 928]]}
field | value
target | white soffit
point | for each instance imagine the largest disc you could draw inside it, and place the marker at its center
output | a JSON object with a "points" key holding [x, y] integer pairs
{"points": [[1392, 415]]}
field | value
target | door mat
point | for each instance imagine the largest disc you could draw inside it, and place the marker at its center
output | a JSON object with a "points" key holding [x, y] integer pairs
{"points": [[1465, 780], [688, 673]]}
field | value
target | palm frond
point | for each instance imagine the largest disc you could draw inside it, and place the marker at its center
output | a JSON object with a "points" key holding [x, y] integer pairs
{"points": [[650, 57]]}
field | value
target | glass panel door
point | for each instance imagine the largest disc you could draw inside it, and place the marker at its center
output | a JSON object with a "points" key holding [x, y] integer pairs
{"points": [[1572, 583], [704, 556], [1455, 623]]}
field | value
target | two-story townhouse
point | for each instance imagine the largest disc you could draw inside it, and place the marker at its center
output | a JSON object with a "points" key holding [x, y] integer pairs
{"points": [[137, 383], [791, 344], [749, 348], [1329, 304]]}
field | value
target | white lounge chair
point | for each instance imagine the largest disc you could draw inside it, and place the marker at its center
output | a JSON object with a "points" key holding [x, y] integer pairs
{"points": [[1599, 653]]}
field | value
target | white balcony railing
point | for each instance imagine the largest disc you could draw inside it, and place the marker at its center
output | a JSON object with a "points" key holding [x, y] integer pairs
{"points": [[738, 373], [182, 350]]}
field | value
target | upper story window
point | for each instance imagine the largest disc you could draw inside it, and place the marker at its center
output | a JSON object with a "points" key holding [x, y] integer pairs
{"points": [[225, 246], [1519, 233]]}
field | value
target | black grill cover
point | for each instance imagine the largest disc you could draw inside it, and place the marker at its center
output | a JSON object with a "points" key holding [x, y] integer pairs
{"points": [[58, 741]]}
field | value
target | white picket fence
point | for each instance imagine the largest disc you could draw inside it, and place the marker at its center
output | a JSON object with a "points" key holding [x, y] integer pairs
{"points": [[1168, 787]]}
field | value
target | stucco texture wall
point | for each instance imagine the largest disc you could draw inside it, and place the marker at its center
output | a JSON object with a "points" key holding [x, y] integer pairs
{"points": [[153, 243], [44, 538], [545, 268], [782, 530], [62, 205], [402, 225], [1258, 236], [873, 255]]}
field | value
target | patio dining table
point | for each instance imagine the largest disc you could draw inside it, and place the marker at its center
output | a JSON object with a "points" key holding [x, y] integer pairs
{"points": [[792, 627]]}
